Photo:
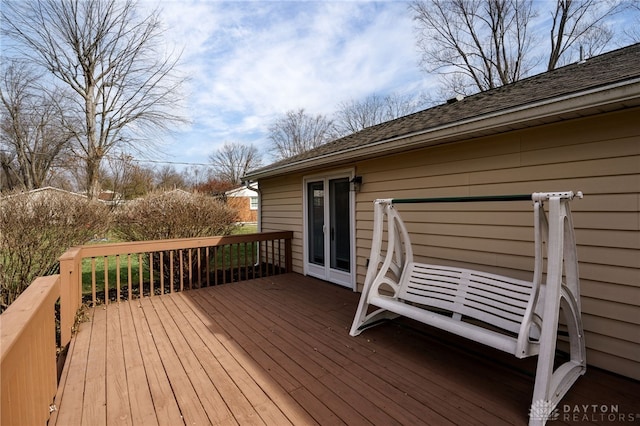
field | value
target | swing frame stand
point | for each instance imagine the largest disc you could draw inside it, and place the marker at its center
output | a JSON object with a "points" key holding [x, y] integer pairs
{"points": [[516, 316]]}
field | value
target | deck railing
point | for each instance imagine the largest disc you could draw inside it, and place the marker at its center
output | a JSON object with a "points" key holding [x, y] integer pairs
{"points": [[28, 372], [106, 273]]}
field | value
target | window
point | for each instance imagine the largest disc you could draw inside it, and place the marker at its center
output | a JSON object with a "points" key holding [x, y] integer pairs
{"points": [[253, 203]]}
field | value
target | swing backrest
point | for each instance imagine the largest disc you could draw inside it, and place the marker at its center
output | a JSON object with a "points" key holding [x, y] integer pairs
{"points": [[493, 299], [504, 302]]}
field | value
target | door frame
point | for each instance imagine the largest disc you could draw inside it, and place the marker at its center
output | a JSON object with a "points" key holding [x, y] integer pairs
{"points": [[326, 177]]}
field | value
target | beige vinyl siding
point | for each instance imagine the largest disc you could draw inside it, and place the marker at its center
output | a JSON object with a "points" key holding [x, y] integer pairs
{"points": [[281, 210], [597, 155]]}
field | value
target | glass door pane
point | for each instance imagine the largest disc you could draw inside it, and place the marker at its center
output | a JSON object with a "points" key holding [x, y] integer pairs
{"points": [[339, 219], [315, 209]]}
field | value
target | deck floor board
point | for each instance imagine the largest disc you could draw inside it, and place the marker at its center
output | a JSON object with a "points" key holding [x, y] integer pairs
{"points": [[172, 358], [141, 399], [260, 389], [164, 401], [117, 406], [72, 379], [94, 410], [337, 364], [221, 375], [276, 351]]}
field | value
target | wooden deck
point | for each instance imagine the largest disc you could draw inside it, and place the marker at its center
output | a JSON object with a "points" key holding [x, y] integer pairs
{"points": [[276, 351]]}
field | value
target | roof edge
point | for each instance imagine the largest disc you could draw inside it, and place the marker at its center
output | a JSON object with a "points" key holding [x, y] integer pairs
{"points": [[610, 94]]}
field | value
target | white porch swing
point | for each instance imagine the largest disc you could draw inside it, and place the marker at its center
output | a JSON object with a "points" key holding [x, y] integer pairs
{"points": [[516, 316]]}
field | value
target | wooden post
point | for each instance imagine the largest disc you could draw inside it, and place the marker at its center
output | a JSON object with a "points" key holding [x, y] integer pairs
{"points": [[288, 255], [70, 291], [28, 374]]}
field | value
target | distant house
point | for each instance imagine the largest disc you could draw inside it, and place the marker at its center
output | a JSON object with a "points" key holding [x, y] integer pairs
{"points": [[245, 201], [47, 190], [574, 128], [179, 192], [110, 197]]}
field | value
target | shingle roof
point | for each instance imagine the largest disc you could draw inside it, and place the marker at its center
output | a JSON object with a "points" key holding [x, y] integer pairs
{"points": [[600, 71]]}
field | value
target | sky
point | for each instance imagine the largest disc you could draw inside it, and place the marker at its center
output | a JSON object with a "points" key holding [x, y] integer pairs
{"points": [[249, 62]]}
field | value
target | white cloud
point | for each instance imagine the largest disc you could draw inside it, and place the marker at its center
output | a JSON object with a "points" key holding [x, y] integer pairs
{"points": [[251, 61]]}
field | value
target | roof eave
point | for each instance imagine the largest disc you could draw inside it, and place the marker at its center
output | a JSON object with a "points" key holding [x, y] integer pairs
{"points": [[587, 102]]}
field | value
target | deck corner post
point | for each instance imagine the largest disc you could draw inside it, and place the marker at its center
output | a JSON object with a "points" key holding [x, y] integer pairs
{"points": [[70, 292]]}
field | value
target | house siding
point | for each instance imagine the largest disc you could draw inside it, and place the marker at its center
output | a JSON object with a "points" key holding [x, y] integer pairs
{"points": [[597, 155], [281, 210]]}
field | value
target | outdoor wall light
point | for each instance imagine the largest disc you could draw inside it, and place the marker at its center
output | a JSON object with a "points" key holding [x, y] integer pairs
{"points": [[356, 183]]}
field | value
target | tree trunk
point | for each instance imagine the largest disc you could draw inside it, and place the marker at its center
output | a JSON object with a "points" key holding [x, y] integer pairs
{"points": [[94, 152], [93, 175]]}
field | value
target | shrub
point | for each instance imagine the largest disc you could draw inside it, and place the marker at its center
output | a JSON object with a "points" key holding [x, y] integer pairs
{"points": [[36, 229], [173, 214], [170, 215]]}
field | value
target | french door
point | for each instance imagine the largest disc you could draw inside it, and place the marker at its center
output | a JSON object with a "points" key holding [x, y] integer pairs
{"points": [[329, 229]]}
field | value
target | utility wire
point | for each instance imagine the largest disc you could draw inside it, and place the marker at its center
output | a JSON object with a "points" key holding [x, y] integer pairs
{"points": [[171, 162], [115, 157]]}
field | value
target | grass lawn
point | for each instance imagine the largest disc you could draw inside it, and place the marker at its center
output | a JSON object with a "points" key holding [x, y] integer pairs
{"points": [[87, 267], [246, 228]]}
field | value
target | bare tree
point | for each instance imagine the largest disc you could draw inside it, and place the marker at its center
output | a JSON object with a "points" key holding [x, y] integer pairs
{"points": [[482, 44], [213, 187], [631, 33], [167, 178], [579, 24], [125, 177], [195, 175], [297, 132], [36, 128], [69, 174], [474, 44], [353, 116], [110, 56], [8, 179], [233, 160]]}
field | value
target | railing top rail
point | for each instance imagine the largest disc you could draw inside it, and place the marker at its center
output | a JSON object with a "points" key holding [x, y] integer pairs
{"points": [[71, 253], [174, 244], [43, 291]]}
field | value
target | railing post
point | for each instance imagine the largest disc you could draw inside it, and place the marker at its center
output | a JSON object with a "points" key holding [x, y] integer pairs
{"points": [[70, 291], [288, 255]]}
